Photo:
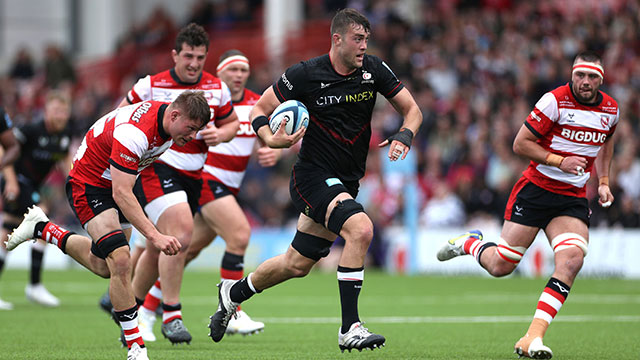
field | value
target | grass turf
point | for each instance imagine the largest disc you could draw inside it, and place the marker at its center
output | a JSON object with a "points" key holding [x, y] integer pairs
{"points": [[422, 317]]}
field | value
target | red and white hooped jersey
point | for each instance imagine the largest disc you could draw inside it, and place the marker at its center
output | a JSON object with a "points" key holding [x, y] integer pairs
{"points": [[227, 162], [130, 138], [166, 86], [568, 128]]}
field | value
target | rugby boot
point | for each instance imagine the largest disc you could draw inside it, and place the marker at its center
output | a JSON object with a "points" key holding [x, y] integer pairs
{"points": [[532, 348], [226, 309], [359, 337], [454, 247]]}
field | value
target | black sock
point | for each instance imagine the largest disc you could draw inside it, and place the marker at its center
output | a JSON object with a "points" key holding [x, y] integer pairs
{"points": [[39, 229], [350, 287], [36, 264], [241, 291], [174, 307], [232, 262], [127, 315], [139, 302], [2, 256]]}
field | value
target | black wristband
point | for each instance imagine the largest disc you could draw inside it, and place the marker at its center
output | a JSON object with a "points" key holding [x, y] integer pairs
{"points": [[405, 136], [259, 122]]}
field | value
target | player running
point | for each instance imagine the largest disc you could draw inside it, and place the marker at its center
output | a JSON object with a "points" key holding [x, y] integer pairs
{"points": [[100, 190], [339, 90], [568, 132], [220, 213]]}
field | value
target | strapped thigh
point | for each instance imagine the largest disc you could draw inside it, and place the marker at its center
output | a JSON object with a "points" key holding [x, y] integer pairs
{"points": [[311, 246], [512, 254], [108, 243], [343, 210], [567, 240]]}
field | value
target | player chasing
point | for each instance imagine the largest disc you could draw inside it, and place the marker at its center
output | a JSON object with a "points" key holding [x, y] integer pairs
{"points": [[169, 189], [220, 213], [325, 178], [568, 132], [100, 191]]}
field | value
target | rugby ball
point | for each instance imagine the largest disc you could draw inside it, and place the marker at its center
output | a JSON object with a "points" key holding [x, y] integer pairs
{"points": [[293, 113]]}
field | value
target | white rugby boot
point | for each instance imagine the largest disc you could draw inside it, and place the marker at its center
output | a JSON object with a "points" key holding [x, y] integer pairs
{"points": [[146, 319], [226, 309], [39, 294], [534, 349], [359, 337], [27, 227], [137, 353], [243, 324], [453, 247], [5, 305]]}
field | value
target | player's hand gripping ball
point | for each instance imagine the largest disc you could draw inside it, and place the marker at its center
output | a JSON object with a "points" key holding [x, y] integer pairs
{"points": [[291, 112]]}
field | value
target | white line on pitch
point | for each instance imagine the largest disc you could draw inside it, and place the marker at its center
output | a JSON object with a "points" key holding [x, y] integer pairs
{"points": [[451, 319]]}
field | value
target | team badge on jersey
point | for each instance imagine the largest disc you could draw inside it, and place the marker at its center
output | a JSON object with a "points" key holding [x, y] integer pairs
{"points": [[367, 77], [604, 121]]}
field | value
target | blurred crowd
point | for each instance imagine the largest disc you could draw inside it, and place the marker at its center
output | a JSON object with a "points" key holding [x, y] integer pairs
{"points": [[475, 68]]}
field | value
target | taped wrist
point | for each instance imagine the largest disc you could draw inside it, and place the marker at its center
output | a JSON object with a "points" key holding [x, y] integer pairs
{"points": [[603, 180], [258, 122], [553, 160], [405, 136]]}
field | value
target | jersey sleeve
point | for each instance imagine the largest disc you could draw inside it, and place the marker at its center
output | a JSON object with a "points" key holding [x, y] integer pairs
{"points": [[141, 91], [129, 144], [289, 86], [544, 115], [612, 130], [24, 133], [5, 121], [225, 108], [386, 81]]}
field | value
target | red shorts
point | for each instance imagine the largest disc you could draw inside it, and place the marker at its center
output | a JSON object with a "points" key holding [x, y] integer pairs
{"points": [[534, 206], [213, 189], [87, 200], [160, 186]]}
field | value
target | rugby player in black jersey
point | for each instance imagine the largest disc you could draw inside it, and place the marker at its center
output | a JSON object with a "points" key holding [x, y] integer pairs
{"points": [[43, 145], [339, 90], [10, 152]]}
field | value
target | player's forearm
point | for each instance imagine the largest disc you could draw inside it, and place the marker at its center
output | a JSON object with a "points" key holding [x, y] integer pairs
{"points": [[9, 156], [130, 207], [531, 150], [228, 130], [603, 160], [9, 174], [413, 119]]}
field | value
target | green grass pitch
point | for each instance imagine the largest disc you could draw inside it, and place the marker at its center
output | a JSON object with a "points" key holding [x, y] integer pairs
{"points": [[422, 317]]}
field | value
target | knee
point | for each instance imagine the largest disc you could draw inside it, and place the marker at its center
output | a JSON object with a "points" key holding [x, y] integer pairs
{"points": [[298, 270], [103, 272], [120, 265], [570, 260], [500, 268], [239, 241], [361, 233]]}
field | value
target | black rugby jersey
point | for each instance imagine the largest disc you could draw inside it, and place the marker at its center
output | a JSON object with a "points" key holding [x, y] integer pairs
{"points": [[340, 109], [5, 121], [39, 150]]}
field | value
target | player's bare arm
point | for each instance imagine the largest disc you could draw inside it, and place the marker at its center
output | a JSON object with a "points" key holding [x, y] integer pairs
{"points": [[603, 166], [526, 145], [406, 106], [11, 187], [122, 185], [267, 156], [262, 110], [223, 130], [10, 147]]}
